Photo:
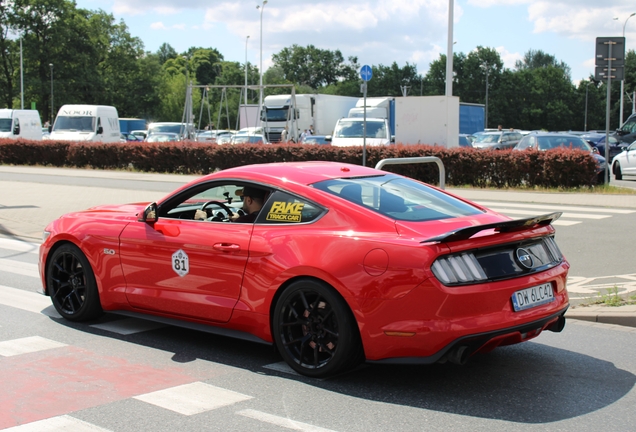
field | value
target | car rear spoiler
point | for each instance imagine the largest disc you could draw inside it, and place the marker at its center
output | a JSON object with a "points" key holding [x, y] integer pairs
{"points": [[508, 226]]}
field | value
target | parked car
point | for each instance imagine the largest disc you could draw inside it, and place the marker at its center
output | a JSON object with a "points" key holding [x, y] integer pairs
{"points": [[162, 137], [625, 163], [211, 136], [627, 132], [130, 137], [554, 140], [225, 139], [140, 134], [315, 139], [342, 264], [248, 139], [497, 140], [597, 140]]}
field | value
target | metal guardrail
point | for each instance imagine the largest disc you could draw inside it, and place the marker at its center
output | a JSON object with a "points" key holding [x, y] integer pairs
{"points": [[424, 159]]}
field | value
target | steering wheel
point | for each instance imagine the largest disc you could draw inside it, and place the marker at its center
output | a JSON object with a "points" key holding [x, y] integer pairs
{"points": [[219, 204]]}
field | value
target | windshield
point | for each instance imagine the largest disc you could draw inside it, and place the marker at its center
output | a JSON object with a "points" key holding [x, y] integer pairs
{"points": [[552, 142], [74, 124], [398, 198], [275, 114], [5, 125], [354, 129], [487, 138]]}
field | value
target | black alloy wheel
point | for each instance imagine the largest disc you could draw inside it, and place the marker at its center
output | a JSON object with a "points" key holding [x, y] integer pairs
{"points": [[70, 283], [315, 331]]}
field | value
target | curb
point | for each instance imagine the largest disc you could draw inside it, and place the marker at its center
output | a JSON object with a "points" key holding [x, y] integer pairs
{"points": [[621, 315]]}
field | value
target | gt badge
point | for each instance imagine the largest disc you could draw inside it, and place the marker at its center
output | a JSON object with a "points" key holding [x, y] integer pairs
{"points": [[180, 263]]}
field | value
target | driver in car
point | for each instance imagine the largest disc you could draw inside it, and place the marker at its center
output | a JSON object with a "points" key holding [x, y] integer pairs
{"points": [[253, 200]]}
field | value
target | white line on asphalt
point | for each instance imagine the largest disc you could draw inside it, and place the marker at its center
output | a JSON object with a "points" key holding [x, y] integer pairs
{"points": [[17, 245], [19, 267], [281, 367], [565, 214], [128, 326], [194, 398], [281, 421], [561, 222], [58, 424], [27, 345], [555, 207], [28, 301]]}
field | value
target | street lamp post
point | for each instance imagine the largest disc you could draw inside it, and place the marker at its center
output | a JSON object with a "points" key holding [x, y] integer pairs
{"points": [[260, 96], [246, 39], [52, 104], [620, 121], [484, 66]]}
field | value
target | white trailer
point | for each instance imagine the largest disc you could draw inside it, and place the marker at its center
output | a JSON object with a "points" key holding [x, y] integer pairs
{"points": [[432, 120], [318, 110]]}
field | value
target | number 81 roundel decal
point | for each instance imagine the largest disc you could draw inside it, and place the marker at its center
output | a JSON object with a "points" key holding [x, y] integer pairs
{"points": [[180, 263]]}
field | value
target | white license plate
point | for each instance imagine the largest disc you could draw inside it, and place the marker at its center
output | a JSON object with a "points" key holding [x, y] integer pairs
{"points": [[533, 296]]}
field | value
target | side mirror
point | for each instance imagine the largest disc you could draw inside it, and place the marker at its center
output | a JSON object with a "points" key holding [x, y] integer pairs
{"points": [[16, 130], [50, 129], [100, 130], [149, 214], [595, 150], [392, 138], [328, 138]]}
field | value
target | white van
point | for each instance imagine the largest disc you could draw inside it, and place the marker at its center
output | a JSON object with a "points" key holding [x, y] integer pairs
{"points": [[25, 124], [86, 123]]}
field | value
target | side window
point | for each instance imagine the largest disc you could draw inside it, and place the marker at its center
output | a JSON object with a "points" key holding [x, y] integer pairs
{"points": [[629, 126], [525, 143], [282, 207]]}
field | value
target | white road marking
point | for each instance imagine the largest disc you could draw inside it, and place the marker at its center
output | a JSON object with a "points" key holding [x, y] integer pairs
{"points": [[281, 421], [28, 301], [63, 423], [19, 246], [194, 398], [129, 326], [27, 345], [555, 207], [561, 222], [281, 367], [593, 285], [19, 267]]}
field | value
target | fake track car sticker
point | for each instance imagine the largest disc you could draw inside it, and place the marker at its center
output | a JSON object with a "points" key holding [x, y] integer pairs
{"points": [[180, 263], [285, 212]]}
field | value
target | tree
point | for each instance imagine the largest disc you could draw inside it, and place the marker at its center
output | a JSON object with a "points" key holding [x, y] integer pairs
{"points": [[535, 59], [314, 67], [389, 80]]}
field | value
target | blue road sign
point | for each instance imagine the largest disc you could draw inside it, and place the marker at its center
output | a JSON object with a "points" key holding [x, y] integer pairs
{"points": [[366, 73]]}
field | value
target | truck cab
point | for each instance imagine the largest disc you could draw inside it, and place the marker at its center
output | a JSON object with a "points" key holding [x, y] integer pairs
{"points": [[350, 132]]}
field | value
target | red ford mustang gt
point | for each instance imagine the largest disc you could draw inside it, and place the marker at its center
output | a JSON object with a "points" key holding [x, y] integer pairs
{"points": [[341, 264]]}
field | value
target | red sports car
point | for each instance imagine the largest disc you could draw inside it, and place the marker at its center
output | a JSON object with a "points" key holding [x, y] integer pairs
{"points": [[333, 263]]}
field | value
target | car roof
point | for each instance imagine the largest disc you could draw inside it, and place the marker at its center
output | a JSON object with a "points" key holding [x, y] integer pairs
{"points": [[304, 173]]}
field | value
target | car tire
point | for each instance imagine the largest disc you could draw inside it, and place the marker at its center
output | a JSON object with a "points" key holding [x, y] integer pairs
{"points": [[70, 282], [618, 174], [315, 331]]}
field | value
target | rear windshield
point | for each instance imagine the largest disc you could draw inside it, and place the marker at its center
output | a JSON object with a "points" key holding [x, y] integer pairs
{"points": [[398, 198]]}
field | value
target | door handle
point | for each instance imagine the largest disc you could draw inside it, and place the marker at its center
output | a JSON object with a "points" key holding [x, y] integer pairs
{"points": [[227, 247]]}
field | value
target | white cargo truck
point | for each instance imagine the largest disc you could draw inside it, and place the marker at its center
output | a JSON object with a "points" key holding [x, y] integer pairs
{"points": [[86, 123], [25, 124], [319, 111]]}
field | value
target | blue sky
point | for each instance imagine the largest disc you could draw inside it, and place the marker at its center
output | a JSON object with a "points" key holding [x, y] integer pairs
{"points": [[379, 31]]}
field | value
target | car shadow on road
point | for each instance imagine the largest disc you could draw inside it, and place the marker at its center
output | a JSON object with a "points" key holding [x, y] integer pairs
{"points": [[526, 383]]}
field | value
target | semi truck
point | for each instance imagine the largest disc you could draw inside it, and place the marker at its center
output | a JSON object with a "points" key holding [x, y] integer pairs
{"points": [[435, 120], [302, 112]]}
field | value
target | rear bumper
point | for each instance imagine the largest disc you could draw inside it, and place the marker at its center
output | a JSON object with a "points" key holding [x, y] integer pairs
{"points": [[485, 342]]}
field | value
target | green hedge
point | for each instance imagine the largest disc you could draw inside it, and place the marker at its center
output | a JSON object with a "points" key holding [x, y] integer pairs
{"points": [[464, 166]]}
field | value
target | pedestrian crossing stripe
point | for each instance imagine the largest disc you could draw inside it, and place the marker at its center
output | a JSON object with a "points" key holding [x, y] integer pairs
{"points": [[558, 207], [19, 246]]}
